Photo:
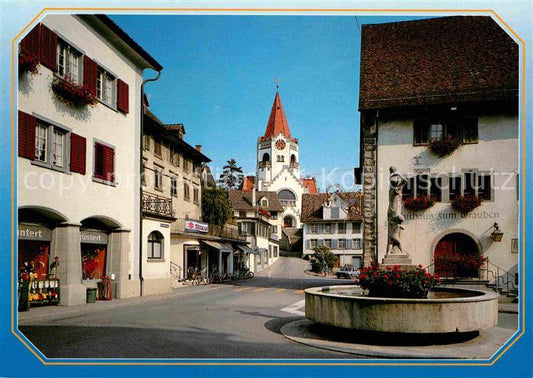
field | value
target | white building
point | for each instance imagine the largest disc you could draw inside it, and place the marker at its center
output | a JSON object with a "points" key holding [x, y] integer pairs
{"points": [[278, 167], [78, 164], [334, 220], [413, 98], [259, 221]]}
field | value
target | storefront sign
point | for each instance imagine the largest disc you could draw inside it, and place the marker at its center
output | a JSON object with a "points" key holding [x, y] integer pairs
{"points": [[27, 232], [93, 237], [453, 215], [164, 225], [194, 226]]}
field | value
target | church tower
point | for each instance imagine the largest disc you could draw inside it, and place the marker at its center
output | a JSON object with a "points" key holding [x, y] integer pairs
{"points": [[278, 164]]}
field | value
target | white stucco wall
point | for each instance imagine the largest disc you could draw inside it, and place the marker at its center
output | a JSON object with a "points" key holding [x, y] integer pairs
{"points": [[497, 150], [156, 272]]}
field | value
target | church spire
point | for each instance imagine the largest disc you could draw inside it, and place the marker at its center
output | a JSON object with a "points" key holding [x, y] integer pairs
{"points": [[277, 123]]}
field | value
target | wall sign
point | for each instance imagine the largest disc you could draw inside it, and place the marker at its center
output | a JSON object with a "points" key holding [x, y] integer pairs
{"points": [[194, 226], [31, 232], [93, 237]]}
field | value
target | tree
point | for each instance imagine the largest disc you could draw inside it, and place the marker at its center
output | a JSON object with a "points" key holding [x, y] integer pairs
{"points": [[323, 257], [215, 206], [231, 176]]}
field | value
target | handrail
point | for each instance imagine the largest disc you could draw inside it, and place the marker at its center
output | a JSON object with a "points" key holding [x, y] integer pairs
{"points": [[175, 270], [501, 277]]}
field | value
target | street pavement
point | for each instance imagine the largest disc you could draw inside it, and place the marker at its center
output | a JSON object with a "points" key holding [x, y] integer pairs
{"points": [[237, 320]]}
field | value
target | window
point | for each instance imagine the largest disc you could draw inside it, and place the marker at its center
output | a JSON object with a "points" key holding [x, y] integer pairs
{"points": [[327, 243], [274, 215], [264, 202], [435, 190], [471, 183], [342, 228], [356, 243], [158, 178], [104, 162], [335, 213], [327, 228], [242, 214], [105, 87], [196, 195], [463, 128], [157, 147], [455, 187], [485, 186], [155, 245], [274, 229], [175, 158], [409, 188], [68, 62], [314, 228], [186, 192], [422, 185], [174, 186], [313, 243], [146, 142], [50, 145], [356, 228], [469, 186], [281, 158], [342, 244], [357, 262]]}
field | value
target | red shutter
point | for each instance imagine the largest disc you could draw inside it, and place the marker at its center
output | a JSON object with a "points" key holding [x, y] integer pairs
{"points": [[122, 96], [48, 48], [30, 44], [90, 73], [78, 145], [109, 164], [26, 135]]}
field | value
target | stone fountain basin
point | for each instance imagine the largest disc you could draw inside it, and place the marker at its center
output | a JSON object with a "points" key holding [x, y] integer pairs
{"points": [[445, 310]]}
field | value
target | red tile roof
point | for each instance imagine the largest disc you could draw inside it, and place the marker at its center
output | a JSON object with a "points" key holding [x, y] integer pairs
{"points": [[247, 183], [436, 61], [309, 184], [277, 122]]}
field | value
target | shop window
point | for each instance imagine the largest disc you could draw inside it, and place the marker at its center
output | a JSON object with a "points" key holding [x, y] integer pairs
{"points": [[155, 245], [68, 62], [93, 260], [105, 87], [104, 162]]}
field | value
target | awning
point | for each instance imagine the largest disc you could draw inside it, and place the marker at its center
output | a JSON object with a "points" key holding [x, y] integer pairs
{"points": [[220, 246], [247, 250]]}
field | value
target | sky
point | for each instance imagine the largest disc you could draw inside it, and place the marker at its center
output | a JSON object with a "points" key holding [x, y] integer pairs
{"points": [[220, 74]]}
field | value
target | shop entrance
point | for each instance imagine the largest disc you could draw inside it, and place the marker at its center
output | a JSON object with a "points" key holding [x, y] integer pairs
{"points": [[457, 255], [192, 260], [93, 245], [34, 257]]}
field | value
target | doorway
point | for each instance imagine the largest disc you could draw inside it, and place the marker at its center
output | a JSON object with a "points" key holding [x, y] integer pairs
{"points": [[457, 255]]}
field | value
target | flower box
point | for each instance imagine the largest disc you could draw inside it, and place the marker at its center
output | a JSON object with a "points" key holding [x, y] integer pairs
{"points": [[28, 63], [466, 204], [72, 94], [445, 146], [394, 282], [418, 203]]}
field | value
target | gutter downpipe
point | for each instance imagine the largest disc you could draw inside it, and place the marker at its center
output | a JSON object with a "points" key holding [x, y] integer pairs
{"points": [[141, 172], [376, 255]]}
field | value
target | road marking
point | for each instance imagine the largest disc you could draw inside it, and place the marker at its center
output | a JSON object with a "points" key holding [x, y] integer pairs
{"points": [[242, 289], [298, 291], [280, 290], [260, 289], [295, 308]]}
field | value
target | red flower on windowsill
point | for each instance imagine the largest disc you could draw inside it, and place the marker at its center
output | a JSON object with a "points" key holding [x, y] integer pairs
{"points": [[418, 203], [72, 94], [28, 63], [444, 146], [467, 203]]}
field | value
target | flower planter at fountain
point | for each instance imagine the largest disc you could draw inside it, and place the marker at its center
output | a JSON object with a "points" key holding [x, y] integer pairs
{"points": [[446, 310]]}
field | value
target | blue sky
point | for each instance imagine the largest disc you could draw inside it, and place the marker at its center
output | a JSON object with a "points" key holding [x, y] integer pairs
{"points": [[218, 80]]}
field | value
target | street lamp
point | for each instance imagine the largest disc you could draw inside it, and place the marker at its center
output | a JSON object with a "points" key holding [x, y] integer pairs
{"points": [[497, 235]]}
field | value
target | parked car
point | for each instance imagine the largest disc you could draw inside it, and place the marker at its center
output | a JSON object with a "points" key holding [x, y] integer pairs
{"points": [[347, 273]]}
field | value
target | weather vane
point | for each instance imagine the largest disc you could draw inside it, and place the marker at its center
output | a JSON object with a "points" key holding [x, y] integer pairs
{"points": [[277, 81]]}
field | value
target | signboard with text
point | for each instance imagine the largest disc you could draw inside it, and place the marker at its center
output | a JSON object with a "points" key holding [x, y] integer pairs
{"points": [[195, 226]]}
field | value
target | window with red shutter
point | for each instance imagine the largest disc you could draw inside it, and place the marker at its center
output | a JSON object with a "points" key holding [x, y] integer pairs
{"points": [[90, 73], [30, 44], [48, 48], [104, 162], [78, 153], [26, 137], [122, 96]]}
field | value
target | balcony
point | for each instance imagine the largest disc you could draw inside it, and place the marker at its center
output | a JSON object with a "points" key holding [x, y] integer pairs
{"points": [[227, 231], [157, 206], [294, 165], [264, 164]]}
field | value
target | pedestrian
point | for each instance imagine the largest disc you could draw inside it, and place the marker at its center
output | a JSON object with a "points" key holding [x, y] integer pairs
{"points": [[326, 271]]}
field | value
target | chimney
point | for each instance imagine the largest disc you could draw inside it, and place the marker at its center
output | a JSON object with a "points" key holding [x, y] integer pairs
{"points": [[254, 200], [199, 147]]}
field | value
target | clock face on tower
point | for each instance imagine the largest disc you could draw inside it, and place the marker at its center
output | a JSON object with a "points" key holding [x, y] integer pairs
{"points": [[280, 144]]}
